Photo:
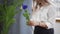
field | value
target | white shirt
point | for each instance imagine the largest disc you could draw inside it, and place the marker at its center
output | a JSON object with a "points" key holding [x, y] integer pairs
{"points": [[46, 14]]}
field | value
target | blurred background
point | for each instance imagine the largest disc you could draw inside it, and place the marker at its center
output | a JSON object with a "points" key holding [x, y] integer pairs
{"points": [[20, 27]]}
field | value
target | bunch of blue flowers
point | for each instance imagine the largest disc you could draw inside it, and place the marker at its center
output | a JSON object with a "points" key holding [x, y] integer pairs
{"points": [[26, 14]]}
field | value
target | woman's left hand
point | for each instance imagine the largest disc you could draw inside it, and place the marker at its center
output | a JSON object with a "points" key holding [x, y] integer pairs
{"points": [[42, 24]]}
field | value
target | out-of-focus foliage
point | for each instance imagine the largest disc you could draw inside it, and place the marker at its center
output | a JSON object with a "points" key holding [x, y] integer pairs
{"points": [[7, 13]]}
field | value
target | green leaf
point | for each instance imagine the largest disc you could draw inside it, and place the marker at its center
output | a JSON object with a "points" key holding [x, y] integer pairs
{"points": [[7, 14], [27, 16]]}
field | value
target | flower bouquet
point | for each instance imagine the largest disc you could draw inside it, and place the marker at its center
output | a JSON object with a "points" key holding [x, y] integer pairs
{"points": [[26, 14]]}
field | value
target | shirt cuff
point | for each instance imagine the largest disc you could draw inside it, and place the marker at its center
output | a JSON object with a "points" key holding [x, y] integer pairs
{"points": [[31, 19], [48, 25]]}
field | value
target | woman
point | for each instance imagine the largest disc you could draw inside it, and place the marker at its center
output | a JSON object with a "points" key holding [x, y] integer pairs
{"points": [[42, 17]]}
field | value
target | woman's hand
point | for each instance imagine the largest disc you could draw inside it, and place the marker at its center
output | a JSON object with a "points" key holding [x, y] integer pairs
{"points": [[32, 23], [42, 24]]}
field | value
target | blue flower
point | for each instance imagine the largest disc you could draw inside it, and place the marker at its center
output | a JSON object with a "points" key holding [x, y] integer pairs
{"points": [[24, 6]]}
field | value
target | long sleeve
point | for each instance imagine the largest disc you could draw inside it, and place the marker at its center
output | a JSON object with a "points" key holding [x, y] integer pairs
{"points": [[35, 17], [52, 13], [44, 18], [49, 17]]}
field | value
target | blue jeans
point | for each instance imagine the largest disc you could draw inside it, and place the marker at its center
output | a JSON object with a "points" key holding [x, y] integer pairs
{"points": [[40, 30]]}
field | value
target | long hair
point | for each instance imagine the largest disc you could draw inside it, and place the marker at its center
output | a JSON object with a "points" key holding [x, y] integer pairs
{"points": [[41, 3]]}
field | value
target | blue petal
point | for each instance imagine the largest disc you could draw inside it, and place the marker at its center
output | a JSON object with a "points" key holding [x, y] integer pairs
{"points": [[24, 7]]}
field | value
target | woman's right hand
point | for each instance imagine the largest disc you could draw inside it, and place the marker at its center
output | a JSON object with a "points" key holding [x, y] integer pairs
{"points": [[32, 23]]}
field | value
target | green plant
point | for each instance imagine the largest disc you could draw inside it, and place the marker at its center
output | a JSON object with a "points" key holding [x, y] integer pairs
{"points": [[27, 16], [8, 11]]}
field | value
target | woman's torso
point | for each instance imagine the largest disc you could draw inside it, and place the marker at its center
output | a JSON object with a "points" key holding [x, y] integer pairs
{"points": [[45, 12]]}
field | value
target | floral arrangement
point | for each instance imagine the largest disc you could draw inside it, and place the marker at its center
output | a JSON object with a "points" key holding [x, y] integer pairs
{"points": [[26, 14]]}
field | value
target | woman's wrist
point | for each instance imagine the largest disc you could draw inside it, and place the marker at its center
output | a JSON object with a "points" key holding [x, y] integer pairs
{"points": [[38, 24], [43, 25]]}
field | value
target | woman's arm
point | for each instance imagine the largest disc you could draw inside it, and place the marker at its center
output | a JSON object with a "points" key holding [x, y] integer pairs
{"points": [[41, 24], [33, 23]]}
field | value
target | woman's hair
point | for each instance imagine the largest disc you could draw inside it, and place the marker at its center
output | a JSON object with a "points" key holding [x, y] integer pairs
{"points": [[41, 3]]}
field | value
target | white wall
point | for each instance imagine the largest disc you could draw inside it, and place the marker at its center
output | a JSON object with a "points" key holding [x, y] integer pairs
{"points": [[57, 25], [57, 28]]}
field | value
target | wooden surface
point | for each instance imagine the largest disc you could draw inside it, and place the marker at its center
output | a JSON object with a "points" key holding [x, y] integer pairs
{"points": [[57, 21]]}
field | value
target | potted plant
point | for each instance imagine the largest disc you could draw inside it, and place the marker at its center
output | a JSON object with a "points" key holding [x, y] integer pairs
{"points": [[7, 13]]}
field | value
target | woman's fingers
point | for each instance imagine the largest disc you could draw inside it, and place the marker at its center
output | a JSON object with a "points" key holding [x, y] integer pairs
{"points": [[31, 23], [43, 25]]}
